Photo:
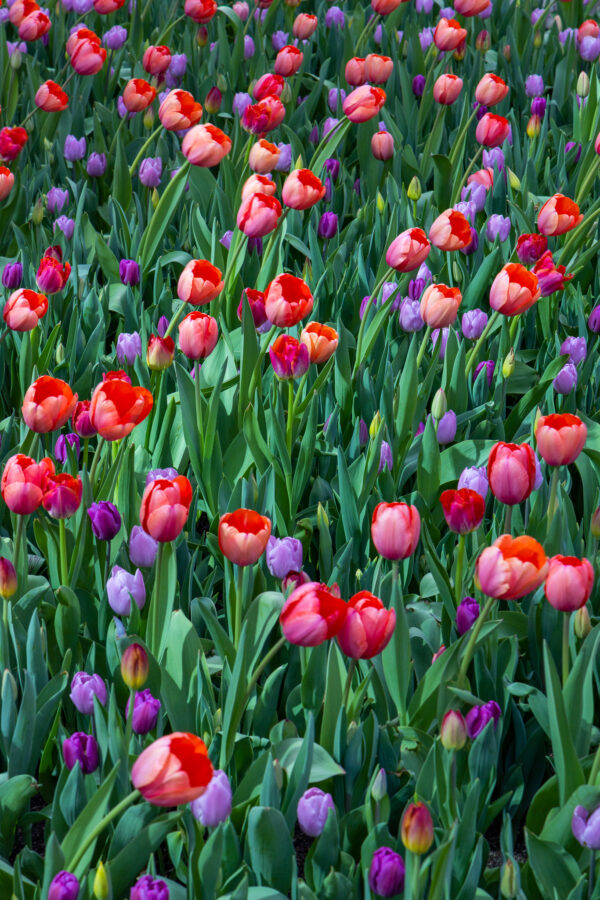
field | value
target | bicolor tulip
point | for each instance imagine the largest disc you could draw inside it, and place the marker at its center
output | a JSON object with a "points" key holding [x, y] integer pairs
{"points": [[179, 111], [24, 481], [24, 309], [311, 615], [368, 626], [302, 189], [382, 145], [263, 158], [514, 290], [531, 247], [395, 529], [492, 130], [205, 145], [320, 340], [258, 184], [243, 536], [160, 352], [288, 61], [408, 251], [62, 495], [558, 215], [511, 472], [138, 94], [48, 404], [569, 583], [52, 275], [12, 141], [117, 407], [174, 769], [288, 300], [447, 88], [448, 34], [560, 438], [264, 116], [268, 85], [416, 830], [378, 68], [304, 26], [165, 507], [199, 283], [363, 103], [289, 357], [7, 180], [258, 215], [450, 231], [439, 305], [355, 73], [511, 567], [491, 89], [156, 60], [198, 335], [463, 509], [50, 97]]}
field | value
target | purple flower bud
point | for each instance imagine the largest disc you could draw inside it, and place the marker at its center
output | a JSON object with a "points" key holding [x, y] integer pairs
{"points": [[576, 347], [248, 47], [566, 35], [489, 365], [357, 187], [586, 827], [418, 82], [416, 286], [424, 6], [328, 225], [156, 474], [12, 273], [378, 33], [129, 273], [475, 479], [84, 688], [96, 165], [214, 805], [364, 303], [105, 519], [386, 457], [472, 323], [225, 241], [434, 339], [142, 547], [539, 478], [534, 85], [497, 227], [74, 149], [121, 587], [66, 225], [284, 555], [386, 873], [163, 324], [150, 171], [363, 432], [312, 811], [420, 429], [389, 288], [129, 346], [478, 717], [538, 107], [334, 17], [115, 37], [446, 12], [149, 888], [480, 110], [476, 194], [570, 145], [466, 613], [494, 158], [594, 320], [333, 167], [566, 379], [241, 101], [122, 109], [60, 447], [446, 430], [334, 97], [328, 125], [410, 315], [81, 748], [145, 712], [63, 886], [285, 158], [177, 66]]}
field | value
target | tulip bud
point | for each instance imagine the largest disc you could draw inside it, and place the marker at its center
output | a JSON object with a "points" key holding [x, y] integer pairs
{"points": [[278, 772], [513, 180], [457, 272], [538, 416], [101, 883], [595, 524], [482, 41], [286, 94], [375, 424], [217, 720], [148, 118], [213, 100], [459, 53], [155, 198], [16, 59], [322, 518], [60, 353], [582, 624], [537, 39], [380, 203], [8, 578], [414, 189], [439, 406], [202, 36], [508, 880], [134, 667], [453, 733], [583, 85], [508, 366], [533, 126], [416, 830], [38, 212], [506, 52], [379, 789]]}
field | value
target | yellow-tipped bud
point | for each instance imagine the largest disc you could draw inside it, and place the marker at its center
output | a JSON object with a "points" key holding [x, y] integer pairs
{"points": [[101, 883], [375, 424], [414, 189], [508, 366]]}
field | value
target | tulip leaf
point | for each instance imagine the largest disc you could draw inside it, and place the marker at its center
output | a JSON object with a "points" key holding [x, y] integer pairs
{"points": [[270, 848], [566, 763]]}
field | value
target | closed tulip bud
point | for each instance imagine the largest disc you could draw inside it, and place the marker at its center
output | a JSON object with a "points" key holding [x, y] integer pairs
{"points": [[513, 180], [322, 517], [63, 886], [508, 880], [595, 524], [16, 60], [508, 366], [212, 103], [202, 36], [379, 789], [537, 39], [439, 406], [8, 578], [482, 41], [581, 623], [533, 126], [155, 197], [37, 215], [416, 830], [380, 203], [134, 667], [414, 189], [375, 424], [102, 889], [506, 52], [221, 83], [160, 352], [148, 118], [583, 85], [278, 772], [453, 733]]}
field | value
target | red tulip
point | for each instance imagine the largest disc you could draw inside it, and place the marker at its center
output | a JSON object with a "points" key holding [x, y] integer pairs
{"points": [[48, 404], [268, 85], [117, 407], [288, 61], [312, 615], [165, 507], [258, 214], [174, 769], [200, 11], [200, 282], [367, 628], [156, 60], [464, 509], [243, 536], [138, 94], [558, 215], [52, 275]]}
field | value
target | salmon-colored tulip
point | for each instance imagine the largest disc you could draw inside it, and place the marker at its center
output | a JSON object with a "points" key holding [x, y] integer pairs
{"points": [[468, 8], [48, 404], [50, 97], [200, 282], [569, 583], [198, 335], [355, 72], [288, 61], [320, 340], [408, 251], [560, 438], [117, 407], [156, 60], [511, 567], [288, 300], [363, 103], [368, 626], [492, 130], [24, 482], [264, 156], [382, 145], [87, 57], [174, 769], [62, 495], [511, 472], [311, 615], [302, 189], [80, 33], [179, 111], [464, 509], [450, 231], [448, 34], [514, 290], [395, 529], [20, 9], [484, 177], [7, 180], [558, 215], [446, 89], [138, 94], [105, 7], [258, 214], [304, 26], [378, 68], [243, 536], [205, 145], [24, 309], [385, 7], [165, 507], [259, 184], [491, 89], [34, 26], [439, 305]]}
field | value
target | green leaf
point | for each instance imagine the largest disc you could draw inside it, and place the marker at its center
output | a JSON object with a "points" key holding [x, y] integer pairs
{"points": [[161, 218], [121, 185], [270, 848], [566, 763], [92, 814], [555, 870]]}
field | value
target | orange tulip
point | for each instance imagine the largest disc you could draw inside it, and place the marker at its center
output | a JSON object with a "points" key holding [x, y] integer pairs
{"points": [[514, 290], [439, 305], [320, 340], [200, 282], [205, 145], [174, 769], [117, 407], [48, 404], [560, 438], [243, 536], [511, 567]]}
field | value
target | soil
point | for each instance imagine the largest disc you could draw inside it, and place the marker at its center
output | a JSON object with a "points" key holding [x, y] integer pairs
{"points": [[496, 858], [302, 844], [38, 839]]}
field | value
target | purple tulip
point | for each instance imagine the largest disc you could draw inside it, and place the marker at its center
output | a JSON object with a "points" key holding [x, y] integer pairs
{"points": [[122, 109], [334, 17], [489, 365], [475, 193], [475, 479], [60, 447], [534, 85], [121, 587], [497, 227], [589, 48], [386, 873], [472, 247], [283, 555], [157, 474], [386, 457], [570, 145], [12, 274], [334, 97], [434, 339], [145, 712], [446, 430], [63, 886], [410, 315], [586, 827], [333, 167], [594, 320], [129, 273], [363, 433], [241, 101], [539, 478], [467, 208], [378, 33], [105, 519], [96, 165], [279, 40], [81, 748], [150, 171], [225, 241], [576, 348], [328, 125], [566, 35], [538, 107], [149, 888], [66, 225], [142, 547], [84, 688], [566, 379], [249, 47], [162, 325], [214, 805], [74, 149], [129, 347], [467, 612], [418, 82], [424, 6], [473, 323], [328, 225], [177, 69], [284, 162], [313, 809], [478, 717], [115, 37], [494, 158]]}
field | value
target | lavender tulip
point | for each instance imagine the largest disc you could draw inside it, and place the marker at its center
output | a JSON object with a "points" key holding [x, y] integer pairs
{"points": [[150, 171], [594, 320], [142, 548], [576, 348], [283, 555], [96, 165], [121, 587], [12, 274], [60, 447], [129, 347], [586, 827], [74, 148], [66, 225], [115, 37], [475, 479], [489, 365], [157, 474], [312, 811], [214, 805], [284, 162], [566, 379], [84, 688], [386, 457], [410, 315], [446, 430], [334, 17], [497, 227], [473, 323], [534, 85]]}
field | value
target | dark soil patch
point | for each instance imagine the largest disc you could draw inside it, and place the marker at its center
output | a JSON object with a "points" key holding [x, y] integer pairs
{"points": [[496, 857], [302, 844]]}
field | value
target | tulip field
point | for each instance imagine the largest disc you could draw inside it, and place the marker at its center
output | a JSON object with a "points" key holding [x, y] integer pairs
{"points": [[299, 450]]}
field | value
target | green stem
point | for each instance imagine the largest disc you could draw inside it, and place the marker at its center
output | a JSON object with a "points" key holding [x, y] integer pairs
{"points": [[64, 567], [174, 320], [470, 650], [466, 175], [458, 142], [565, 649], [261, 356], [370, 26], [198, 398], [591, 884], [20, 557], [349, 676], [143, 149], [290, 417], [93, 834], [423, 346], [95, 461], [167, 31], [453, 804], [552, 500], [472, 358], [239, 600], [261, 668], [458, 578], [154, 637], [5, 635], [507, 519]]}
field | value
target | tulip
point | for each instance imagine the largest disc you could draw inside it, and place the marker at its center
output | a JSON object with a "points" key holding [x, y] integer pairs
{"points": [[558, 215], [550, 278], [491, 90], [368, 626], [304, 26], [473, 323], [560, 438], [382, 145], [575, 348], [416, 829], [311, 615], [63, 886], [8, 578], [243, 536], [288, 300], [24, 309], [12, 273], [354, 72], [174, 769], [386, 872], [12, 141], [84, 688], [288, 61], [51, 275], [214, 805], [24, 482], [320, 340], [302, 189], [50, 97], [439, 305], [62, 495], [328, 226], [363, 103], [313, 810], [145, 712], [446, 89], [511, 567], [259, 184], [263, 158], [479, 716], [147, 887], [205, 145], [492, 130], [448, 34], [256, 301], [179, 111], [378, 68], [48, 404], [569, 583], [156, 60], [289, 357], [105, 519], [138, 94], [450, 231], [284, 555], [446, 427], [385, 7], [86, 56], [395, 530], [566, 379], [258, 215], [81, 749], [263, 116], [268, 85], [463, 509], [511, 472], [586, 827], [514, 290], [134, 667], [453, 730], [531, 247], [165, 507], [150, 171], [199, 283], [467, 612], [160, 353], [142, 547], [476, 479], [201, 12], [198, 335], [34, 26], [117, 407], [408, 251]]}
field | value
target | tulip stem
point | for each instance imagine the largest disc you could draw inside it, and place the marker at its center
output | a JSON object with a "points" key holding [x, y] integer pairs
{"points": [[261, 356], [261, 668], [20, 558], [174, 320], [470, 650], [106, 820], [237, 612], [592, 878], [290, 418], [349, 677], [458, 578], [565, 649], [198, 398], [128, 728], [552, 500], [143, 149], [154, 618], [5, 635], [467, 173], [64, 567], [423, 346], [95, 461], [473, 354], [370, 26], [507, 519]]}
